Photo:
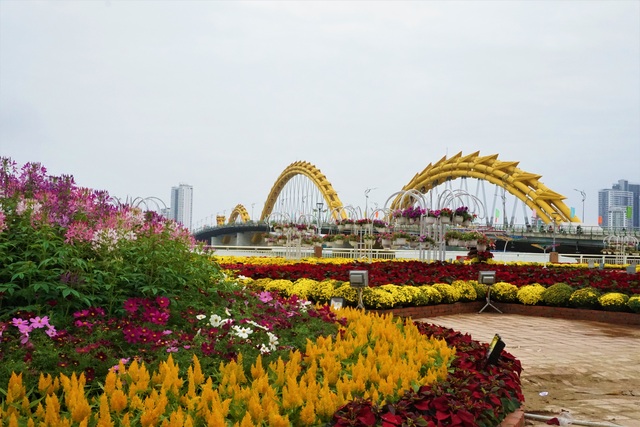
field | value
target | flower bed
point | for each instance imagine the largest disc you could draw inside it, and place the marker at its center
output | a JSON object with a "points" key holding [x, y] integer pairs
{"points": [[414, 283]]}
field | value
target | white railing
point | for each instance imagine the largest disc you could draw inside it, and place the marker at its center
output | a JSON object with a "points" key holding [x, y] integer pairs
{"points": [[451, 255]]}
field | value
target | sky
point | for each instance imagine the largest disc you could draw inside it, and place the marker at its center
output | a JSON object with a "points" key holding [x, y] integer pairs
{"points": [[135, 97]]}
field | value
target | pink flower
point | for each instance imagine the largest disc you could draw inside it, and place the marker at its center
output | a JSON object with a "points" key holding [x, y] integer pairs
{"points": [[156, 316], [18, 322], [24, 339], [163, 302], [265, 296], [131, 305], [40, 322]]}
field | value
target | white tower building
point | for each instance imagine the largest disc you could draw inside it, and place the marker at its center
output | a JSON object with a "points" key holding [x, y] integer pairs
{"points": [[182, 204]]}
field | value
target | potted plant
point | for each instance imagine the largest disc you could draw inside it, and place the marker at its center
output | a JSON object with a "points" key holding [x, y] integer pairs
{"points": [[270, 241], [484, 242], [426, 241], [445, 215], [370, 238], [385, 239], [380, 225], [460, 214], [364, 221], [339, 239], [453, 237], [400, 238], [433, 213]]}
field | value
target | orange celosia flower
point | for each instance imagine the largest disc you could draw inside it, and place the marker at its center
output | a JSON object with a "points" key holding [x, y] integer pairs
{"points": [[104, 419]]}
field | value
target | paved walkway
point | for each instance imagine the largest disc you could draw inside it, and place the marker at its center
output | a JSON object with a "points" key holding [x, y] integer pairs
{"points": [[590, 369]]}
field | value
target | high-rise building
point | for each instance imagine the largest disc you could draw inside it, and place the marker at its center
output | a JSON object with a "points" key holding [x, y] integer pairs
{"points": [[182, 204], [619, 206]]}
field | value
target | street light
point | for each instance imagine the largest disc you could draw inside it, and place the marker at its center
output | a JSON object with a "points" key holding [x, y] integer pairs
{"points": [[366, 201], [584, 196], [319, 206]]}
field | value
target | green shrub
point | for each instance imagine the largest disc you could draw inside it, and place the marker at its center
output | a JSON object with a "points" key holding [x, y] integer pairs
{"points": [[585, 298], [531, 294], [504, 292], [466, 290], [557, 295], [449, 293], [614, 301], [634, 303]]}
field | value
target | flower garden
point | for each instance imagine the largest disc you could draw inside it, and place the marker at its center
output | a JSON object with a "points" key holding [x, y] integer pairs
{"points": [[112, 316], [413, 283]]}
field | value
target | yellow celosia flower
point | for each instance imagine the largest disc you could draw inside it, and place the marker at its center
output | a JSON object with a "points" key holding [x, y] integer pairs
{"points": [[104, 419], [118, 400], [308, 414]]}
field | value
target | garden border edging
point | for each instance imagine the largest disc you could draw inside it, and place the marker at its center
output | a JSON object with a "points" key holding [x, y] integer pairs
{"points": [[615, 317]]}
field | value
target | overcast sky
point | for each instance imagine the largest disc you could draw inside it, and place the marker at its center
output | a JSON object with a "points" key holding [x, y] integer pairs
{"points": [[135, 97]]}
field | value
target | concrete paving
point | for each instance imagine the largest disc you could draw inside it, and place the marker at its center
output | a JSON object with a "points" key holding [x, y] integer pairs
{"points": [[590, 369]]}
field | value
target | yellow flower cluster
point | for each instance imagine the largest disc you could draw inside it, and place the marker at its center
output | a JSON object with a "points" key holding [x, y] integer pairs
{"points": [[530, 294], [613, 300], [380, 297], [376, 357]]}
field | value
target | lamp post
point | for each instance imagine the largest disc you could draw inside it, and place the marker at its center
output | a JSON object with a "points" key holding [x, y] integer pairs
{"points": [[584, 196], [366, 200], [319, 207]]}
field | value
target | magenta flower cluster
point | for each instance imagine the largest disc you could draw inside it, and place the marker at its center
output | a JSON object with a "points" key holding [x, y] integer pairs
{"points": [[27, 326], [412, 212]]}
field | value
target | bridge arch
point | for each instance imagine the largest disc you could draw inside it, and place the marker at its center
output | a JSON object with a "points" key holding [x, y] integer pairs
{"points": [[314, 174], [240, 211], [526, 186]]}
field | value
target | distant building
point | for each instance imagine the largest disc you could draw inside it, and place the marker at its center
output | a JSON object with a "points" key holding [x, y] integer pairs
{"points": [[182, 204], [619, 206]]}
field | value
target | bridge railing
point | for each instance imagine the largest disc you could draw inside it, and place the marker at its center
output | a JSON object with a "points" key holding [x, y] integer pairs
{"points": [[584, 232], [579, 231], [275, 251], [280, 251], [232, 225]]}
